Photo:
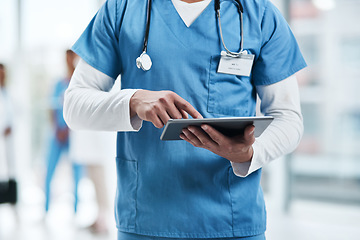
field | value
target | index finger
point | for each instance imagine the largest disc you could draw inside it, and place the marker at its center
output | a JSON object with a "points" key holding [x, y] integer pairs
{"points": [[184, 105]]}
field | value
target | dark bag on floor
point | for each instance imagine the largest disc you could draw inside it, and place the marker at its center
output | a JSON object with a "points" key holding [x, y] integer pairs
{"points": [[8, 191]]}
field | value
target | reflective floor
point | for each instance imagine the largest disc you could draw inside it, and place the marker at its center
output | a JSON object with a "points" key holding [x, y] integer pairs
{"points": [[309, 220], [306, 220]]}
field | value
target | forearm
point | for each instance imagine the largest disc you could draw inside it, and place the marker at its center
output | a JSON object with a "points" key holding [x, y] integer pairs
{"points": [[89, 105], [284, 134]]}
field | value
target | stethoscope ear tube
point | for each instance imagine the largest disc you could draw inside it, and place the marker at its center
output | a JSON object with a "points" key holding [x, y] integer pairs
{"points": [[147, 26], [144, 61], [241, 9], [217, 5]]}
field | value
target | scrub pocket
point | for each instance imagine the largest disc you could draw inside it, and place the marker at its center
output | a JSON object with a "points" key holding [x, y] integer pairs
{"points": [[127, 177], [248, 204], [228, 94]]}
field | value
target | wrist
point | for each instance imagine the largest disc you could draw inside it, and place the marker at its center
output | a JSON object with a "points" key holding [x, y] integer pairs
{"points": [[246, 157], [251, 154], [133, 104]]}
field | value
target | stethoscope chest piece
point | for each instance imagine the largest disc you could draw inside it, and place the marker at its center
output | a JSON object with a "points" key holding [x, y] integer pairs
{"points": [[144, 62]]}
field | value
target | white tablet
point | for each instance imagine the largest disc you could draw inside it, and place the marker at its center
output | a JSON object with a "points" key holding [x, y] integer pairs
{"points": [[231, 126]]}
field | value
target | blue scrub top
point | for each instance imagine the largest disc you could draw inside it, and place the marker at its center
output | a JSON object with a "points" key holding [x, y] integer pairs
{"points": [[170, 188]]}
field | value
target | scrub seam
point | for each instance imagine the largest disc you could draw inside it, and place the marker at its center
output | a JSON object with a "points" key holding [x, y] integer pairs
{"points": [[263, 42], [116, 16], [290, 72], [136, 191], [247, 232], [209, 85], [231, 202]]}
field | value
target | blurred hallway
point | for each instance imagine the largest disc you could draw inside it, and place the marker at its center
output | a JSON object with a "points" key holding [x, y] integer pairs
{"points": [[320, 182], [60, 222]]}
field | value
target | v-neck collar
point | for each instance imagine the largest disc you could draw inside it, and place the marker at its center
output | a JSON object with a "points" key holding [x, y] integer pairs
{"points": [[168, 12], [189, 12], [172, 19]]}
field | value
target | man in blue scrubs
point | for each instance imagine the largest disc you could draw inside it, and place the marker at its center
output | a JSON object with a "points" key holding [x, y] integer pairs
{"points": [[59, 139], [208, 186]]}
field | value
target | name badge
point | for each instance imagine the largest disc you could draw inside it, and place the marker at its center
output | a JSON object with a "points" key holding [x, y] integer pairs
{"points": [[240, 65]]}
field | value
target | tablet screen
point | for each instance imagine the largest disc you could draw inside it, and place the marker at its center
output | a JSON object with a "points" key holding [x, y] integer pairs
{"points": [[228, 126]]}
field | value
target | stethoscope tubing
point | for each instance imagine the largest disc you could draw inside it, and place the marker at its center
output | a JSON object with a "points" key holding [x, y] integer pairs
{"points": [[241, 10], [233, 54], [146, 38], [139, 60]]}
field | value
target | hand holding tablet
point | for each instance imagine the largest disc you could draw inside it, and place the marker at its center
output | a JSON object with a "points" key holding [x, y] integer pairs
{"points": [[231, 126]]}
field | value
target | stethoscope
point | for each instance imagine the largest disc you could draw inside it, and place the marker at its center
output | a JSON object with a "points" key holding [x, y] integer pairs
{"points": [[144, 61]]}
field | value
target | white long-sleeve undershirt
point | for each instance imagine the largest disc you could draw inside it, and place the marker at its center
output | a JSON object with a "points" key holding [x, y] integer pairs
{"points": [[89, 104], [280, 100]]}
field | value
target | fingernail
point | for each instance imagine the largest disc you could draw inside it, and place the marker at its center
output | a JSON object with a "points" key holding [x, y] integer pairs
{"points": [[204, 127], [252, 132]]}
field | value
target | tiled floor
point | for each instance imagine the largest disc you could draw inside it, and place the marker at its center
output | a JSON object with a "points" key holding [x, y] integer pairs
{"points": [[306, 221]]}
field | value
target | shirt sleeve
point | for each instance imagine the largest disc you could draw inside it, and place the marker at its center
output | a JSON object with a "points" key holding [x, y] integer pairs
{"points": [[280, 100], [89, 103], [279, 56], [98, 45]]}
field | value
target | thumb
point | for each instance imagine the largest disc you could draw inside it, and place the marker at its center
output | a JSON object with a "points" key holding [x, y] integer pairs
{"points": [[249, 135]]}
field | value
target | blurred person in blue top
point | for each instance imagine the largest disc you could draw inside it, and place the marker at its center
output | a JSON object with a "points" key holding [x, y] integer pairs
{"points": [[206, 59], [59, 140]]}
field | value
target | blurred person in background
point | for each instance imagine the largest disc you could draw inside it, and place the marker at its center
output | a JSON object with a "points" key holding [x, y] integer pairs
{"points": [[8, 187], [93, 149], [6, 114], [6, 127], [59, 140]]}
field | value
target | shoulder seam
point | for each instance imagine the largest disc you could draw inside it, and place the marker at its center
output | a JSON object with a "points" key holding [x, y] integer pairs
{"points": [[266, 3]]}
